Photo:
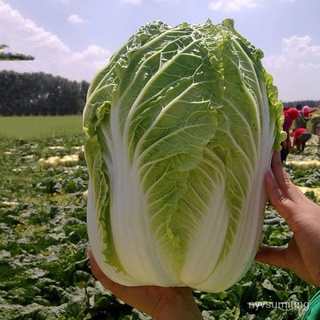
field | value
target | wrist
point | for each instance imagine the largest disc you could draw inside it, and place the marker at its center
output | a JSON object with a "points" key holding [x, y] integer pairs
{"points": [[181, 306]]}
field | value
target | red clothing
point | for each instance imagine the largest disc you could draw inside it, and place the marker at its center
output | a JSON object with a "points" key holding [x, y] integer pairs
{"points": [[289, 116], [296, 133], [306, 111]]}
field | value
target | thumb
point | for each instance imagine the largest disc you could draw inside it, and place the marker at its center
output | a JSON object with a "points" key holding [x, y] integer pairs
{"points": [[272, 256]]}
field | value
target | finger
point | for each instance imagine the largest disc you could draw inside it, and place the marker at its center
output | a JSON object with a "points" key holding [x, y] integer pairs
{"points": [[279, 173], [272, 256], [277, 197], [285, 197], [288, 189], [274, 191]]}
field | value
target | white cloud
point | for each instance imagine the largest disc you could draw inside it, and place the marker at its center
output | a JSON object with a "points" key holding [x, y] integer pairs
{"points": [[21, 34], [132, 1], [296, 69], [296, 52], [170, 1], [84, 65], [63, 1], [75, 19], [136, 2], [300, 48], [234, 5], [51, 54]]}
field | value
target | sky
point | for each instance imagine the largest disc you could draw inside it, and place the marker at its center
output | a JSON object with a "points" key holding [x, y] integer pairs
{"points": [[76, 38]]}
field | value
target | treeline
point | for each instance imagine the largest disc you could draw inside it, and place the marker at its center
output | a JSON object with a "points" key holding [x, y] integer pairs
{"points": [[24, 94], [299, 104]]}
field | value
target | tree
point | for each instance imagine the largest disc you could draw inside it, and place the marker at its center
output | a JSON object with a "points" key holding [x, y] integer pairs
{"points": [[9, 56], [23, 94]]}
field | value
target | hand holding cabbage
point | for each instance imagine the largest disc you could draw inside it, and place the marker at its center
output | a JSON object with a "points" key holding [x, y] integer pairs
{"points": [[180, 128]]}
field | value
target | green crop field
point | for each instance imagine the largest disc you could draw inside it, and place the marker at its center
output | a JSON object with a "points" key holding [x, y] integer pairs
{"points": [[40, 127], [44, 268]]}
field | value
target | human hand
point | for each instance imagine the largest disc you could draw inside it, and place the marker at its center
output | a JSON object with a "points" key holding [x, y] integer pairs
{"points": [[158, 302], [302, 255]]}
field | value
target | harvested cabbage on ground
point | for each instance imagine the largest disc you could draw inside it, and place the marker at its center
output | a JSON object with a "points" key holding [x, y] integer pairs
{"points": [[180, 127]]}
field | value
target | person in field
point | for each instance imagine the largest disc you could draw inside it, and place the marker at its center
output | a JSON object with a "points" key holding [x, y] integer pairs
{"points": [[290, 115], [300, 138], [305, 114]]}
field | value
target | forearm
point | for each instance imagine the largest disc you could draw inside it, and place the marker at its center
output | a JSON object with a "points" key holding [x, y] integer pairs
{"points": [[186, 313]]}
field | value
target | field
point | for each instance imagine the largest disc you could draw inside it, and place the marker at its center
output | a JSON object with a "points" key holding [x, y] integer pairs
{"points": [[44, 269], [40, 127]]}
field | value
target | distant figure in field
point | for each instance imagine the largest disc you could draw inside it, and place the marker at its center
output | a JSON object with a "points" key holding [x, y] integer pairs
{"points": [[290, 115], [305, 114], [300, 138]]}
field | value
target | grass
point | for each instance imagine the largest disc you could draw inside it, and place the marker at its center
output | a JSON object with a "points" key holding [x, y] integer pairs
{"points": [[40, 127]]}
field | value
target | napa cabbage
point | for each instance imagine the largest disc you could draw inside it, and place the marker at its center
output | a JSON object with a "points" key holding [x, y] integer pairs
{"points": [[179, 130]]}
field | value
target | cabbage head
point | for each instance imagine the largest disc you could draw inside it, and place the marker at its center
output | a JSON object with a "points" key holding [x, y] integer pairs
{"points": [[179, 130]]}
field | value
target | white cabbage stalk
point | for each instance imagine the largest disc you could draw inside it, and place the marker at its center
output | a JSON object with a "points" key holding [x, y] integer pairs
{"points": [[180, 127]]}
